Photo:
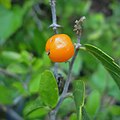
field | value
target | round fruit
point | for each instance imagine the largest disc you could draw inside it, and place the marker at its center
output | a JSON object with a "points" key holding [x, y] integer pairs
{"points": [[60, 48]]}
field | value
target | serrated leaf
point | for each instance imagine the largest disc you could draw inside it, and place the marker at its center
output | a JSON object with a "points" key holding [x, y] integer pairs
{"points": [[107, 61], [79, 94], [33, 106], [48, 89]]}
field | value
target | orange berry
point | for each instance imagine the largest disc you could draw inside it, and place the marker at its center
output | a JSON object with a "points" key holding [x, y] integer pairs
{"points": [[59, 48]]}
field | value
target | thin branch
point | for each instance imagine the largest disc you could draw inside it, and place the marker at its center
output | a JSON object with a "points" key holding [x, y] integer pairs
{"points": [[10, 112], [52, 115], [6, 73], [36, 19], [54, 24]]}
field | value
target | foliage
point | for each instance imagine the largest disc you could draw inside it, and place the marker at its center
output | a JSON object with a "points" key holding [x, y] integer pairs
{"points": [[27, 83]]}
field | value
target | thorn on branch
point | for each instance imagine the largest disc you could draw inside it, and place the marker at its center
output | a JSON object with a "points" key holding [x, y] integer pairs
{"points": [[52, 2], [77, 45], [55, 26]]}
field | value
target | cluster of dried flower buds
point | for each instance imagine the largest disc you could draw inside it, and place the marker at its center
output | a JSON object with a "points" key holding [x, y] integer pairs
{"points": [[78, 28]]}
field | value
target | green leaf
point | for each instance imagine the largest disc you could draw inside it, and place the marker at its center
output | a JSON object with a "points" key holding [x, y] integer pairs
{"points": [[6, 95], [33, 106], [115, 110], [37, 64], [17, 68], [39, 41], [79, 94], [65, 107], [38, 113], [102, 79], [107, 61], [93, 101], [6, 3], [99, 79], [73, 116], [26, 57], [48, 89], [85, 115], [20, 87], [34, 84], [11, 55], [10, 21]]}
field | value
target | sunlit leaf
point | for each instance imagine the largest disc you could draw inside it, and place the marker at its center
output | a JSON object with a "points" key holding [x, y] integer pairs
{"points": [[20, 87], [34, 84], [48, 89]]}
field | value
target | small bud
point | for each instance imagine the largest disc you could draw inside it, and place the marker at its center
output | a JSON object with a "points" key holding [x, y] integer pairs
{"points": [[82, 19], [76, 21]]}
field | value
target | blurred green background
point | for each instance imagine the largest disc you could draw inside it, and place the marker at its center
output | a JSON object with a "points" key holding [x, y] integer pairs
{"points": [[24, 30]]}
